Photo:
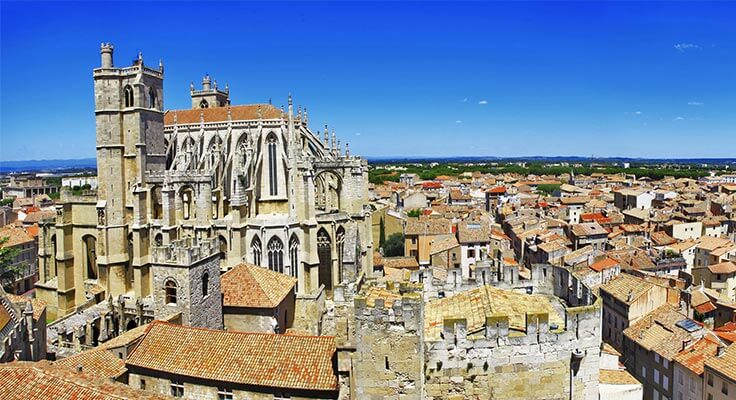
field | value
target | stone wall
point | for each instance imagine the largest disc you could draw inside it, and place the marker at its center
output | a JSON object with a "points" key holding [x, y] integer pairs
{"points": [[388, 359], [503, 364]]}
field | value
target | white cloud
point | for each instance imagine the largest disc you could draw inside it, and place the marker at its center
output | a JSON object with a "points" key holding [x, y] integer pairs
{"points": [[679, 118], [458, 122], [637, 112], [483, 102], [682, 47], [694, 103], [465, 100], [357, 133]]}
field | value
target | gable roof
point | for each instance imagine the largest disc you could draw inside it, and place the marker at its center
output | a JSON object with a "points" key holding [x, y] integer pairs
{"points": [[97, 362], [624, 285], [725, 363], [217, 114], [259, 359], [247, 285]]}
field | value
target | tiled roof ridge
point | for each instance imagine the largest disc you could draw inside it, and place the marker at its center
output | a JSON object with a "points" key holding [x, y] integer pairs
{"points": [[159, 322]]}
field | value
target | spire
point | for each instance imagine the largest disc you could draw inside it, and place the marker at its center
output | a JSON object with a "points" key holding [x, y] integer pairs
{"points": [[339, 149], [305, 115], [334, 140], [227, 88], [160, 64], [215, 84], [260, 114], [282, 112], [347, 149], [191, 86], [327, 137]]}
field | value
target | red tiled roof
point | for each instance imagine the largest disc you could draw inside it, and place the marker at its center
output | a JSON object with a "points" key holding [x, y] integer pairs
{"points": [[694, 357], [705, 307], [247, 285], [260, 359], [497, 189], [96, 362], [603, 264], [431, 185], [43, 380], [218, 114]]}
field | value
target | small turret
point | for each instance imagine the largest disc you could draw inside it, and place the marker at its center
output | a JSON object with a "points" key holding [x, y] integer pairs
{"points": [[106, 55], [206, 82]]}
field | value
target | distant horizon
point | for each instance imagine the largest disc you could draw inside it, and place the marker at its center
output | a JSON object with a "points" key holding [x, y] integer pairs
{"points": [[611, 79]]}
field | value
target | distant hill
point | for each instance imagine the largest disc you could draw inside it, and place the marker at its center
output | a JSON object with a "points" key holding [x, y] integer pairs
{"points": [[47, 165], [551, 159]]}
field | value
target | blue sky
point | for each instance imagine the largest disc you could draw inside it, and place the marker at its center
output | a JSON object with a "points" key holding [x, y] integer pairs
{"points": [[419, 79]]}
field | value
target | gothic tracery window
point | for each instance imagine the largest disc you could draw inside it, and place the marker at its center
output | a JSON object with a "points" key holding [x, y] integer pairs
{"points": [[294, 257], [128, 96], [203, 104], [276, 255], [255, 247], [272, 166]]}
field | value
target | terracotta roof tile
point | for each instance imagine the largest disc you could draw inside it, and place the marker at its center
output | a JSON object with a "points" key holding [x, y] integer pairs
{"points": [[247, 285], [694, 357], [44, 380], [723, 268], [97, 362], [15, 235], [603, 264], [726, 363], [218, 114], [260, 359]]}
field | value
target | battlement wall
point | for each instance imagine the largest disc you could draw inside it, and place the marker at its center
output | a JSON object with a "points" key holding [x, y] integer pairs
{"points": [[538, 360]]}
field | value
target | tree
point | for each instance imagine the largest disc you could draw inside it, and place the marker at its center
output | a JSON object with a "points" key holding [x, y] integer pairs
{"points": [[394, 245], [381, 233], [7, 201], [415, 213], [9, 272]]}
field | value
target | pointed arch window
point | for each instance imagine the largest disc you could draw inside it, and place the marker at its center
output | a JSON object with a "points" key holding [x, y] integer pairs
{"points": [[340, 249], [294, 258], [255, 248], [204, 104], [128, 96], [151, 98], [272, 165], [276, 255]]}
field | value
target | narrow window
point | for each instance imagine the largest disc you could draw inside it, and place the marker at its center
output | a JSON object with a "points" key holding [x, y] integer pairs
{"points": [[294, 258], [151, 98], [143, 384], [205, 284], [272, 167], [385, 360], [128, 96], [170, 288], [255, 247]]}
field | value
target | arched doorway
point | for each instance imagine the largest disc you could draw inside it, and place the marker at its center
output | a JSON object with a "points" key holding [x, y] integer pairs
{"points": [[324, 251]]}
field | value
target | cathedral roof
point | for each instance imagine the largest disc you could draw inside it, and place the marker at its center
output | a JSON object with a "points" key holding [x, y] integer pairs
{"points": [[247, 285], [219, 114], [260, 359]]}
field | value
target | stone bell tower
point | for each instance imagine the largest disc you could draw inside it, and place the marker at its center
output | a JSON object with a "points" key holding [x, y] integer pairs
{"points": [[130, 141], [209, 96]]}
